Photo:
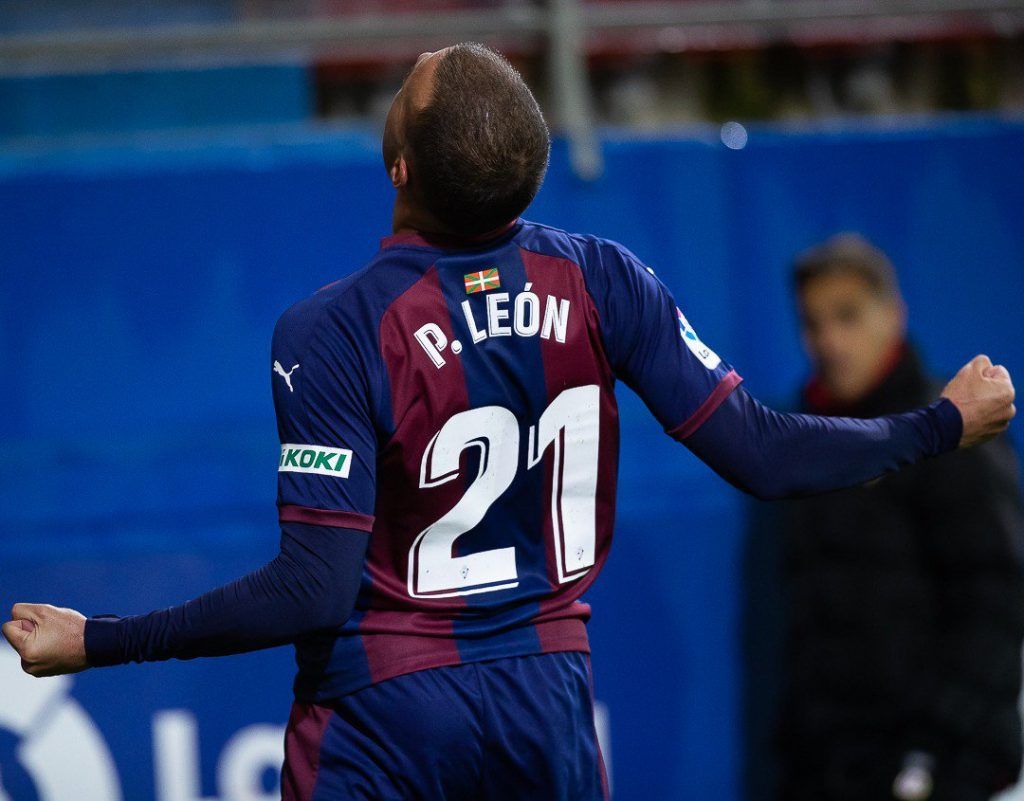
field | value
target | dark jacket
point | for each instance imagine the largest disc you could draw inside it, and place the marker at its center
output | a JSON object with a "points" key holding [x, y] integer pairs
{"points": [[905, 615]]}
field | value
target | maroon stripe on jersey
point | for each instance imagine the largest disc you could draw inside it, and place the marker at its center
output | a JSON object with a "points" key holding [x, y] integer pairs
{"points": [[729, 382], [567, 630], [401, 633], [290, 513], [579, 361], [306, 726]]}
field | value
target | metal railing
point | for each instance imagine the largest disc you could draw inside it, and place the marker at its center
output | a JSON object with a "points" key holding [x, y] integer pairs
{"points": [[562, 27]]}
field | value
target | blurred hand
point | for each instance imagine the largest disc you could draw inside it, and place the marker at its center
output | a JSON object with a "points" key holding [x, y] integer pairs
{"points": [[984, 394], [49, 640]]}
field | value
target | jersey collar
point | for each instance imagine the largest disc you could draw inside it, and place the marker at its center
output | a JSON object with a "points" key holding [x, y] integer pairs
{"points": [[429, 239]]}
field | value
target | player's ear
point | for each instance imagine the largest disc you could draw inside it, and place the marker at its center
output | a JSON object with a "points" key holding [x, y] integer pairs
{"points": [[399, 172]]}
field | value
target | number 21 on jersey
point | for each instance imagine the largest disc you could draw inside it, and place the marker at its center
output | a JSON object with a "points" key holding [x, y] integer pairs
{"points": [[570, 426]]}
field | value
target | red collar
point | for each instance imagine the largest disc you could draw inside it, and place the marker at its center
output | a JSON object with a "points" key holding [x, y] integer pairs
{"points": [[431, 239]]}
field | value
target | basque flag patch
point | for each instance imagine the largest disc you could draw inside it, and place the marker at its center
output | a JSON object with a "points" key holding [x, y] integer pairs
{"points": [[483, 281]]}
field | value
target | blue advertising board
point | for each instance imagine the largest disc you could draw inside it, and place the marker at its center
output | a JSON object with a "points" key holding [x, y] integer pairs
{"points": [[139, 285]]}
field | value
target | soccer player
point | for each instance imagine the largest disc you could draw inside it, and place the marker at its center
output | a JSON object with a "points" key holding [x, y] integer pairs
{"points": [[447, 471]]}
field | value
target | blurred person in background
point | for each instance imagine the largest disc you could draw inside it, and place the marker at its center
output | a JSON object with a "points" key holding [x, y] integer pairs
{"points": [[905, 596]]}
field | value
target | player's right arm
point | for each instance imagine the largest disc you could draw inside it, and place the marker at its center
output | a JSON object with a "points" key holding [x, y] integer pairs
{"points": [[326, 497], [326, 483], [699, 400]]}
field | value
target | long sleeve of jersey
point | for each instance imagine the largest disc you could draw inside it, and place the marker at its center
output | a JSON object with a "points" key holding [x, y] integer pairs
{"points": [[326, 486], [696, 396], [310, 585], [773, 455]]}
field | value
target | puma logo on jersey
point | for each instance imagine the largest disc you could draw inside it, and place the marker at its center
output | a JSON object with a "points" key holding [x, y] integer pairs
{"points": [[287, 376], [526, 316]]}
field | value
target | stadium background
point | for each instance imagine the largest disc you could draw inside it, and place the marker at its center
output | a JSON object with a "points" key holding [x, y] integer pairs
{"points": [[154, 221]]}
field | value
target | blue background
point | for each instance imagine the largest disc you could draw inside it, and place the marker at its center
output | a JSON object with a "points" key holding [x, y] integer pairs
{"points": [[139, 284]]}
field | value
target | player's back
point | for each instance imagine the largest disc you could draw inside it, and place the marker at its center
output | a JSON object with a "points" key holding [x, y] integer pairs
{"points": [[456, 400]]}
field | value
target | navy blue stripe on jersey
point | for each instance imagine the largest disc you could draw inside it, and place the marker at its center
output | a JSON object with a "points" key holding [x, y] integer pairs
{"points": [[504, 371]]}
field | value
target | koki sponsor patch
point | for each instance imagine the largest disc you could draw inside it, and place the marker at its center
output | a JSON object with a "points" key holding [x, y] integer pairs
{"points": [[318, 459]]}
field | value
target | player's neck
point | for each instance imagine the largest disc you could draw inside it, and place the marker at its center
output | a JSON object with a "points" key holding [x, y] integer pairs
{"points": [[409, 217]]}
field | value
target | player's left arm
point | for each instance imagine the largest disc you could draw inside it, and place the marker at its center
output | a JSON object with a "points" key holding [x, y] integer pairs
{"points": [[774, 455], [325, 496], [697, 397]]}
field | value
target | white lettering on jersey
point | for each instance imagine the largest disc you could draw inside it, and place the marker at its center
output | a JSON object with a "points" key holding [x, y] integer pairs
{"points": [[478, 335], [526, 320], [556, 319], [525, 316], [433, 340], [497, 312]]}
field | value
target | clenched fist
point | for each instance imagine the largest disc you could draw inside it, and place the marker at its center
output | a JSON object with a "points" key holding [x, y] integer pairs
{"points": [[984, 394], [49, 640]]}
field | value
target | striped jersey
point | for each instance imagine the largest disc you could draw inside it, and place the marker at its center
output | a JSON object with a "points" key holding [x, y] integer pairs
{"points": [[455, 400]]}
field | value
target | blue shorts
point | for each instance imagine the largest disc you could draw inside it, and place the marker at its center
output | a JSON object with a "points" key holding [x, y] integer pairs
{"points": [[515, 728]]}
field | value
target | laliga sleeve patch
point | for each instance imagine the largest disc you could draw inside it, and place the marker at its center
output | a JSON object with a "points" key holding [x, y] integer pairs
{"points": [[318, 459], [707, 356]]}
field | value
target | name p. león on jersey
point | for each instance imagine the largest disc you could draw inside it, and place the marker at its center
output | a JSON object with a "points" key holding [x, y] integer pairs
{"points": [[528, 315]]}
